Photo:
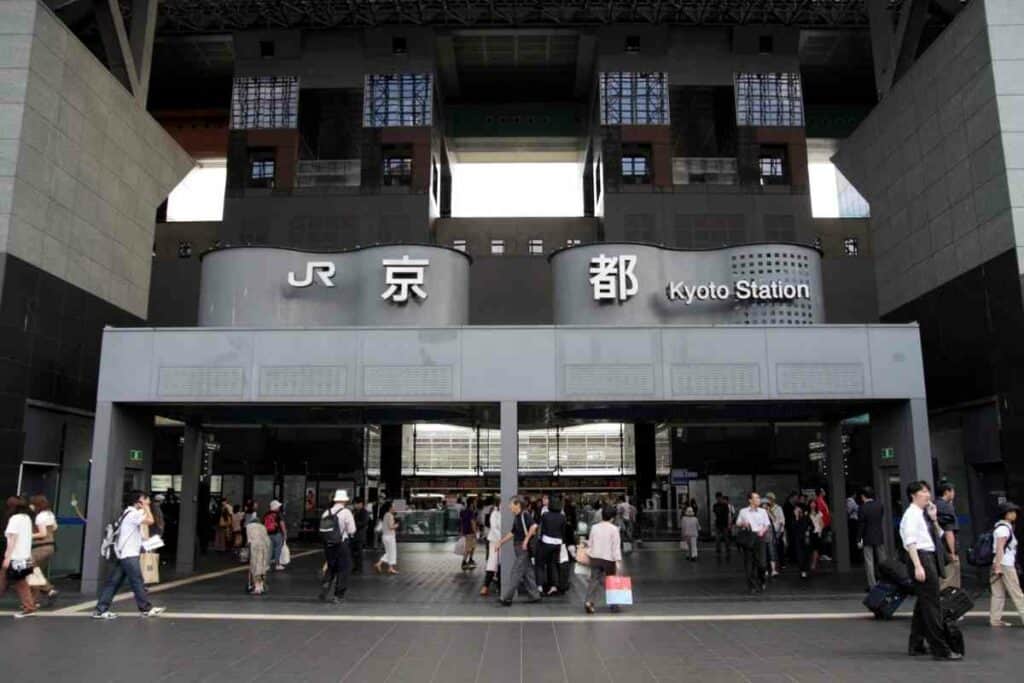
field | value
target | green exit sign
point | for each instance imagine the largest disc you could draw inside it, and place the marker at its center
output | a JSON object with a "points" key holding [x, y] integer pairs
{"points": [[134, 456], [888, 453]]}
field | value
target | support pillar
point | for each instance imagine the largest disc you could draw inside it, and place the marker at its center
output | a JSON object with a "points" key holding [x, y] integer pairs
{"points": [[837, 494], [509, 481], [191, 462], [391, 460], [116, 431], [646, 461]]}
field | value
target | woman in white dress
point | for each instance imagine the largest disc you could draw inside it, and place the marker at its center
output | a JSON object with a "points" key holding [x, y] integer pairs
{"points": [[493, 537], [387, 536]]}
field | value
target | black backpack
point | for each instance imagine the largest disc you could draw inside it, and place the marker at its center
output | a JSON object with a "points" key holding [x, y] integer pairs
{"points": [[330, 529], [982, 552]]}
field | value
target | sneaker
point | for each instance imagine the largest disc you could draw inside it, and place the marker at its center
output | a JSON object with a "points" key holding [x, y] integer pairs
{"points": [[24, 613], [104, 615], [154, 611], [279, 568], [51, 597]]}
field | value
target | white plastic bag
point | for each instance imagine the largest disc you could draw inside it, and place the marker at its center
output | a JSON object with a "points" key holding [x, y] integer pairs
{"points": [[286, 556]]}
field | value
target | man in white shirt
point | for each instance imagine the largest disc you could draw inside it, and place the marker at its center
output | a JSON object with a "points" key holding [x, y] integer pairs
{"points": [[127, 548], [338, 555], [919, 534], [1004, 566], [754, 523]]}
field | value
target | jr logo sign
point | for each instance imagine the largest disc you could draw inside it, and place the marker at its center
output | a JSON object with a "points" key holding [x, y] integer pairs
{"points": [[322, 270]]}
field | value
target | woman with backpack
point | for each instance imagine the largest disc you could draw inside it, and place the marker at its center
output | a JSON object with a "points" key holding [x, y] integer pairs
{"points": [[277, 531], [1004, 566]]}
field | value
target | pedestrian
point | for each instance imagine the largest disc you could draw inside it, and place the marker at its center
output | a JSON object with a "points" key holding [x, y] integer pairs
{"points": [[604, 548], [549, 548], [336, 547], [43, 546], [126, 551], [788, 515], [223, 535], [492, 569], [817, 533], [723, 522], [1005, 580], [389, 539], [358, 541], [236, 527], [690, 531], [276, 529], [870, 535], [467, 530], [17, 564], [754, 522], [800, 535], [775, 533], [919, 539], [950, 528], [259, 549], [522, 575], [825, 550], [852, 522]]}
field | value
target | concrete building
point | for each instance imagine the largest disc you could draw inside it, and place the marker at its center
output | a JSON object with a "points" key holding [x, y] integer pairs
{"points": [[696, 131]]}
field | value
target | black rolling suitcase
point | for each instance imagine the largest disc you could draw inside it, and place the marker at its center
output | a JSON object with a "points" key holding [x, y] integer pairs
{"points": [[883, 600], [955, 603], [564, 575]]}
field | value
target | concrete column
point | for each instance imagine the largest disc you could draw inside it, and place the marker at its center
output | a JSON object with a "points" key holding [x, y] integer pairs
{"points": [[391, 460], [191, 461], [509, 480], [116, 430], [837, 495]]}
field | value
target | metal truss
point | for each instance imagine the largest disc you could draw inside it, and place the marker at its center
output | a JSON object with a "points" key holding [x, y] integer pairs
{"points": [[204, 16]]}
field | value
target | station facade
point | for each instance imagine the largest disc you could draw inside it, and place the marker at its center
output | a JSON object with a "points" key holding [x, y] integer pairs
{"points": [[339, 326]]}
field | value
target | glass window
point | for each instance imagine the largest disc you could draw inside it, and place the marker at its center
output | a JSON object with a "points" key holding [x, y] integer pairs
{"points": [[497, 246], [769, 100], [397, 170], [460, 245], [265, 102], [397, 100], [630, 98], [572, 243], [261, 168], [536, 246], [635, 169], [850, 246]]}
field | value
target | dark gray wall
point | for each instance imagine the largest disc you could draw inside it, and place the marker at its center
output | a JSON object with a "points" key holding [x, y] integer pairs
{"points": [[510, 290]]}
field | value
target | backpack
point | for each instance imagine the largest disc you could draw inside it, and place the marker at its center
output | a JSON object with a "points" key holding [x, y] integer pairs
{"points": [[270, 521], [330, 529], [111, 535], [982, 552]]}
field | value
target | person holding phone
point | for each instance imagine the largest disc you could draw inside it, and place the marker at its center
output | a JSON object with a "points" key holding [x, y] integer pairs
{"points": [[127, 548]]}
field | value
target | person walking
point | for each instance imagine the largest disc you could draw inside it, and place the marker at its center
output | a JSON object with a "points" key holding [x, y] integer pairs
{"points": [[336, 547], [467, 530], [43, 546], [946, 513], [776, 533], [800, 530], [276, 529], [817, 533], [690, 526], [522, 576], [259, 549], [1004, 579], [870, 535], [604, 548], [237, 532], [825, 543], [549, 548], [389, 539], [17, 563], [756, 525], [362, 517], [916, 534], [723, 522], [492, 569], [127, 548]]}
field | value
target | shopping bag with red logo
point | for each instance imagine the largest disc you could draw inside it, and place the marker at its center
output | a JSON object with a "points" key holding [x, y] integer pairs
{"points": [[618, 590]]}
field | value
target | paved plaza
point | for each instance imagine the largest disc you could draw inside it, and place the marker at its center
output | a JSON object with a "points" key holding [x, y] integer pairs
{"points": [[428, 624]]}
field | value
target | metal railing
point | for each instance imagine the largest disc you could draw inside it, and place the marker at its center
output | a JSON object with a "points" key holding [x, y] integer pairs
{"points": [[328, 174], [704, 171]]}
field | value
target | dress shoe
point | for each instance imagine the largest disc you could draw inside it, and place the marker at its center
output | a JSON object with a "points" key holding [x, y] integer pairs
{"points": [[917, 651], [505, 603]]}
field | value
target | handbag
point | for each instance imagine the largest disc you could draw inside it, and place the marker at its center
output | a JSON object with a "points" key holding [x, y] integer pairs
{"points": [[36, 579], [460, 546], [746, 538], [286, 556], [150, 565], [18, 570], [618, 590], [582, 555]]}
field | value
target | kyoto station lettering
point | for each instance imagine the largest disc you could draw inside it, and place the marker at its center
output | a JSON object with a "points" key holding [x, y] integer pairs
{"points": [[741, 290]]}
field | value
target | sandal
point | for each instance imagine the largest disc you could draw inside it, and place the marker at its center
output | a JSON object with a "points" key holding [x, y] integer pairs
{"points": [[588, 607]]}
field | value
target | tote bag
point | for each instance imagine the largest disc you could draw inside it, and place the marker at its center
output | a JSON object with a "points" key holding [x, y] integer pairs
{"points": [[618, 590]]}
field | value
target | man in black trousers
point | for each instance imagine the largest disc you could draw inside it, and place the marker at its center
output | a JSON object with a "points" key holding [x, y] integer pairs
{"points": [[919, 539], [362, 519]]}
